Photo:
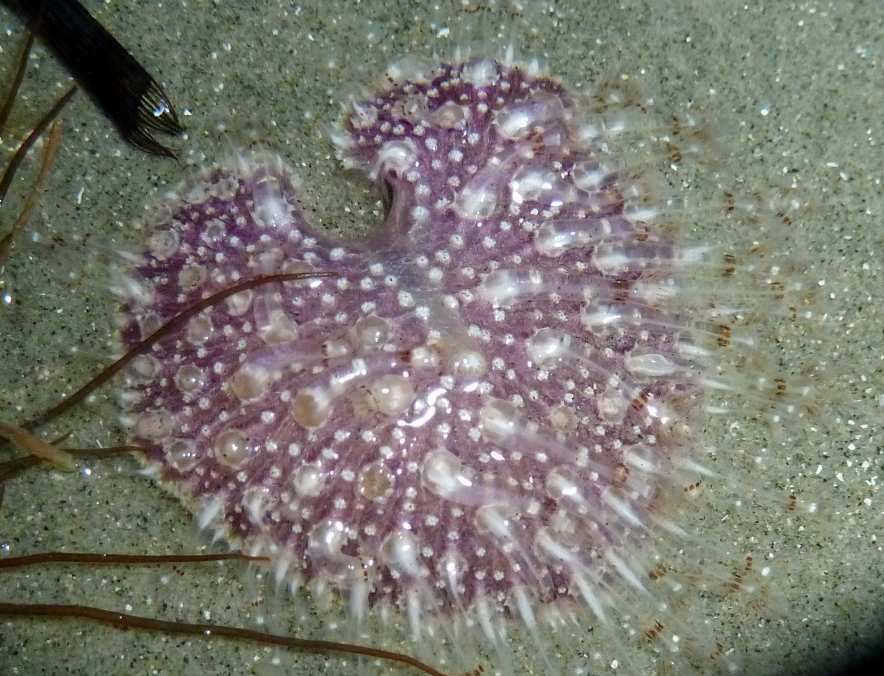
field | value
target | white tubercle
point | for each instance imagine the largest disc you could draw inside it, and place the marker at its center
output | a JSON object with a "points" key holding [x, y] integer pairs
{"points": [[649, 365], [311, 407], [401, 551], [391, 394], [547, 346], [443, 474], [468, 364], [499, 420], [397, 156]]}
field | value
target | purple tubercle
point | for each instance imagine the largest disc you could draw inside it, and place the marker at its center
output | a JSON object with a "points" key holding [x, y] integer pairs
{"points": [[476, 409]]}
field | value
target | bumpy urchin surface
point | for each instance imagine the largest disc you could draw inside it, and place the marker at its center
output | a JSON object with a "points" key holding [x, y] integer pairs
{"points": [[482, 417]]}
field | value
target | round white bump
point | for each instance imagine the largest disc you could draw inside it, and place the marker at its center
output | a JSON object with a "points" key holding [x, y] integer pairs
{"points": [[530, 184], [214, 230], [554, 239], [480, 73], [588, 176], [477, 201], [250, 382], [420, 215], [163, 244], [452, 567], [410, 69], [190, 378], [144, 368], [256, 500], [231, 447], [375, 483], [391, 394], [612, 405], [191, 277], [494, 519], [499, 288], [547, 346], [308, 480], [335, 348], [499, 420], [326, 540], [448, 115], [370, 333], [468, 364], [311, 407], [199, 330], [292, 267], [155, 425], [239, 303], [610, 259], [560, 484], [401, 552], [396, 156], [649, 365], [562, 419], [364, 115], [280, 328], [443, 474], [424, 357], [513, 122], [182, 455], [517, 120]]}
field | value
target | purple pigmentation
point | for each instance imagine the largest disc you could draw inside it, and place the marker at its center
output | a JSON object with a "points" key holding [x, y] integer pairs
{"points": [[482, 418]]}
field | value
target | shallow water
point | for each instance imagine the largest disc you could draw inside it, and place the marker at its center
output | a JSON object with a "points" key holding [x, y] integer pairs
{"points": [[789, 87]]}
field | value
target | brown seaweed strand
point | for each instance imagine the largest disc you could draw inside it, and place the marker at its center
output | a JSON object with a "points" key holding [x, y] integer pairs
{"points": [[34, 445], [14, 467], [20, 69], [124, 621], [34, 196], [173, 324], [25, 146], [119, 559]]}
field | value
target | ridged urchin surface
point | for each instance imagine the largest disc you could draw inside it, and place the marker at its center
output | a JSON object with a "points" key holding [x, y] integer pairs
{"points": [[479, 413]]}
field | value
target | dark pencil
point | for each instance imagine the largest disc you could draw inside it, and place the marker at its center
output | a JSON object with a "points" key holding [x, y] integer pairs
{"points": [[120, 86]]}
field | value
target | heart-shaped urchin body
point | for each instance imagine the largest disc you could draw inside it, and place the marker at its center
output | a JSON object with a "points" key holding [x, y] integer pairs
{"points": [[477, 418]]}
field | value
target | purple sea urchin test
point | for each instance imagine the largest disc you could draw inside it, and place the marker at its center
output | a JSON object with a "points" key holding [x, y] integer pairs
{"points": [[482, 417]]}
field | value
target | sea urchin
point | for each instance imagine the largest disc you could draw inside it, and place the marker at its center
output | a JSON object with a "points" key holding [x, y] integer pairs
{"points": [[487, 414]]}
